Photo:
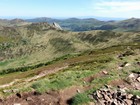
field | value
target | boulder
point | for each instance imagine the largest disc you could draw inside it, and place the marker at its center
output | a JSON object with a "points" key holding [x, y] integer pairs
{"points": [[98, 94], [129, 96], [138, 79], [105, 72], [7, 91], [128, 64], [131, 75], [106, 97], [16, 104], [137, 85], [78, 91], [29, 99]]}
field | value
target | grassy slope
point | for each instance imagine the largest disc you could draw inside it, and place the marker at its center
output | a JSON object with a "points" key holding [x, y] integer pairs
{"points": [[30, 49], [93, 63], [38, 43]]}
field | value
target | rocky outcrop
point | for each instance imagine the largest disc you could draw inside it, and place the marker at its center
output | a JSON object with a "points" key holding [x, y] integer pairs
{"points": [[57, 26], [110, 96]]}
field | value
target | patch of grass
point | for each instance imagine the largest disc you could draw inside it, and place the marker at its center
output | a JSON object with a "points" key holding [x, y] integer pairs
{"points": [[26, 68], [79, 99], [134, 92], [62, 45], [61, 80], [137, 70], [4, 63], [83, 98]]}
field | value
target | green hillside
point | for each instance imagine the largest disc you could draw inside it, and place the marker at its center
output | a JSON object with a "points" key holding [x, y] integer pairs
{"points": [[40, 42], [38, 62]]}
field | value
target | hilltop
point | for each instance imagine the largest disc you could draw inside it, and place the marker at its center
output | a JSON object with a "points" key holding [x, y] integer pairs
{"points": [[13, 22]]}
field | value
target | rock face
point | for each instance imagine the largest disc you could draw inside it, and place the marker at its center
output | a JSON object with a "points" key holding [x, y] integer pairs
{"points": [[57, 26], [111, 96]]}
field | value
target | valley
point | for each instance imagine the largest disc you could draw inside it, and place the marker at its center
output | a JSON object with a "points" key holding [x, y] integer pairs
{"points": [[41, 64]]}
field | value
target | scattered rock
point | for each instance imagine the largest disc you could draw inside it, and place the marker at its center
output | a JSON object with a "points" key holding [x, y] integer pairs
{"points": [[7, 91], [78, 91], [131, 76], [135, 80], [129, 102], [137, 86], [15, 90], [106, 97], [29, 99], [98, 94], [110, 96], [120, 68], [105, 72], [129, 96], [138, 79], [128, 64], [84, 82], [16, 104]]}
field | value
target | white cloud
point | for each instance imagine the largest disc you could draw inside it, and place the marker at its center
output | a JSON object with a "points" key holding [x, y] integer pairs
{"points": [[116, 8]]}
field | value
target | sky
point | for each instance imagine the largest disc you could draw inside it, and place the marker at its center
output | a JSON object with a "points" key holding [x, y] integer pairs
{"points": [[70, 8]]}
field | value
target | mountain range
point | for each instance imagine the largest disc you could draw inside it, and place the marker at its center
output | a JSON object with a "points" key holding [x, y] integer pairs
{"points": [[75, 24]]}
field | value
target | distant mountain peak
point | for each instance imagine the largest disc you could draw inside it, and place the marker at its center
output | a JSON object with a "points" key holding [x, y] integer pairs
{"points": [[17, 20], [57, 26]]}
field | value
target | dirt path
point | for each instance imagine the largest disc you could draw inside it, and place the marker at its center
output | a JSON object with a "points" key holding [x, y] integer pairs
{"points": [[47, 70], [60, 97], [42, 74], [68, 93]]}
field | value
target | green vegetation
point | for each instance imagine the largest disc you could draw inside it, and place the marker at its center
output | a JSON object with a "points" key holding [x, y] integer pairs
{"points": [[39, 43], [134, 92], [60, 44], [26, 68], [35, 49], [80, 99], [73, 74]]}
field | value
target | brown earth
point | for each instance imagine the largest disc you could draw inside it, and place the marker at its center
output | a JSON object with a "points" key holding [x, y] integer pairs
{"points": [[49, 98]]}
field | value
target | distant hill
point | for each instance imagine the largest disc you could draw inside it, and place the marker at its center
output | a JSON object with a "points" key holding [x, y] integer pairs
{"points": [[132, 24], [13, 22], [34, 43], [75, 24]]}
